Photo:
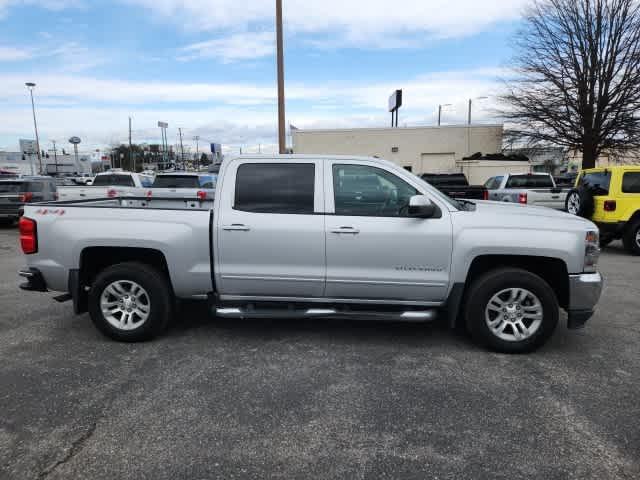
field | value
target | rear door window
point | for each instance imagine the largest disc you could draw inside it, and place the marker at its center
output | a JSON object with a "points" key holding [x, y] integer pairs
{"points": [[597, 182], [529, 181], [631, 182], [284, 188]]}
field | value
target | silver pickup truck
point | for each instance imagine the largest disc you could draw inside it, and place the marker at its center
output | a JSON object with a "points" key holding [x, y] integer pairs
{"points": [[538, 189], [318, 236]]}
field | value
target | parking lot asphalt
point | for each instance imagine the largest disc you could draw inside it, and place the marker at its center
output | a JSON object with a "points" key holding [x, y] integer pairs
{"points": [[314, 399]]}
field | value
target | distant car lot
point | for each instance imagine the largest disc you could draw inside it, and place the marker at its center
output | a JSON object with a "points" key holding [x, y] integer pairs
{"points": [[291, 399]]}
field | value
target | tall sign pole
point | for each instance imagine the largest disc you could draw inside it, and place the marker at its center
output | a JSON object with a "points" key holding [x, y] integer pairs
{"points": [[282, 139], [31, 86]]}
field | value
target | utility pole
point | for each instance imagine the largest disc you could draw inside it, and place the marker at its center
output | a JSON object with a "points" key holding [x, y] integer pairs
{"points": [[55, 156], [197, 138], [181, 148], [31, 86], [282, 139], [131, 165]]}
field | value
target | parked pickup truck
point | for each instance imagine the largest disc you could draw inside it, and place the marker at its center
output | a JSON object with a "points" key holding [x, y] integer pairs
{"points": [[109, 184], [184, 185], [456, 185], [537, 189], [310, 236]]}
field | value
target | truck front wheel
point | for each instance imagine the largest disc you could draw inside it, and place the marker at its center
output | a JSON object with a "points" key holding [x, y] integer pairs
{"points": [[511, 310], [130, 302]]}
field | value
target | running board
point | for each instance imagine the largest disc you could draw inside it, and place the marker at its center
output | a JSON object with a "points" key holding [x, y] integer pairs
{"points": [[284, 313]]}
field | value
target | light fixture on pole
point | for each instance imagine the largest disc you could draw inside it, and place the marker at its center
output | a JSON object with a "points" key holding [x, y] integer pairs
{"points": [[31, 86], [282, 139], [470, 105], [440, 107]]}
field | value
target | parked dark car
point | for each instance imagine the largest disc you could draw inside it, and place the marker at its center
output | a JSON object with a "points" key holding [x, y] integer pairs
{"points": [[16, 192], [456, 185]]}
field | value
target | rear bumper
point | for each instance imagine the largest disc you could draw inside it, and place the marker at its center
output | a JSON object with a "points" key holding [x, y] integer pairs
{"points": [[584, 292], [35, 281]]}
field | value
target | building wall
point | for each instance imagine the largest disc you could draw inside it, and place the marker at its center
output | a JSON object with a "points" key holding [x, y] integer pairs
{"points": [[423, 149]]}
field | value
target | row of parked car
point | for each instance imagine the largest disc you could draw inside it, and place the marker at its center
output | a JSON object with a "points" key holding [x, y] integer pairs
{"points": [[610, 197], [17, 191]]}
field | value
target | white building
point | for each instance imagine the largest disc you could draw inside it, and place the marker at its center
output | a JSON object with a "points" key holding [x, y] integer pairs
{"points": [[418, 149]]}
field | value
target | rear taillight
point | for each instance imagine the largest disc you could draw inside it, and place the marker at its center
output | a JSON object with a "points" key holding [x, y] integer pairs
{"points": [[149, 194], [55, 196], [26, 197], [610, 206], [28, 235], [111, 193], [485, 195], [202, 195], [522, 198]]}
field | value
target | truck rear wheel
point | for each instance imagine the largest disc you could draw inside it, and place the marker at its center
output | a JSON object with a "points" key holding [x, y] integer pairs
{"points": [[631, 238], [511, 310], [130, 302]]}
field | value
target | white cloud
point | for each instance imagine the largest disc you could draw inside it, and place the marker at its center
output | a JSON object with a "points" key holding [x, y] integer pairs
{"points": [[97, 109], [12, 54], [235, 47], [352, 22]]}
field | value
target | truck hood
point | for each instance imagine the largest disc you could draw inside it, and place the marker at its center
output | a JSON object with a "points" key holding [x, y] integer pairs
{"points": [[527, 215]]}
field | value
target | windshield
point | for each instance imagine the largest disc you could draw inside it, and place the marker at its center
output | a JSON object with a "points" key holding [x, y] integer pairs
{"points": [[11, 187], [176, 181]]}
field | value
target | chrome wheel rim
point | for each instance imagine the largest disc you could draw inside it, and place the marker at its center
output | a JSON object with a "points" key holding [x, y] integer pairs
{"points": [[514, 314], [573, 204], [638, 238], [125, 305]]}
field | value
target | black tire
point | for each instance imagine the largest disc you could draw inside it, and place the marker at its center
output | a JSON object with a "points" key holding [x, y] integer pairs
{"points": [[631, 238], [490, 284], [606, 240], [159, 295], [586, 203]]}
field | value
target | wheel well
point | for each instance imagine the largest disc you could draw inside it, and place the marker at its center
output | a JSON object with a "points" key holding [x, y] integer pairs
{"points": [[552, 270], [93, 260], [635, 217]]}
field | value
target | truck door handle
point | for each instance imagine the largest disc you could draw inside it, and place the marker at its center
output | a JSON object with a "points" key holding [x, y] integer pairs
{"points": [[236, 227], [346, 230]]}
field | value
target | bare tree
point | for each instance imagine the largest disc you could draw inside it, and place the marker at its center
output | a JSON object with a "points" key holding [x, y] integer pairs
{"points": [[577, 80]]}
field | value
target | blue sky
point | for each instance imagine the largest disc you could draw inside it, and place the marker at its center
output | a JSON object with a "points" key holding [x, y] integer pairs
{"points": [[208, 65]]}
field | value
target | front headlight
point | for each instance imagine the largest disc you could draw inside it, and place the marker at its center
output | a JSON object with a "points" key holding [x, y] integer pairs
{"points": [[591, 251]]}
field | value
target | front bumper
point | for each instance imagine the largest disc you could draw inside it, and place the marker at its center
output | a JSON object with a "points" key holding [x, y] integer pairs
{"points": [[584, 293]]}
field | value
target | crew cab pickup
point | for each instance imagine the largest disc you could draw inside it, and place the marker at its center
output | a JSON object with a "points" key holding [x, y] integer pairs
{"points": [[537, 189], [109, 184], [318, 236], [456, 185]]}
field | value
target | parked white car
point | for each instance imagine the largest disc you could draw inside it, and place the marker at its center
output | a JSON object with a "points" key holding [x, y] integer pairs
{"points": [[537, 189], [186, 185], [114, 183]]}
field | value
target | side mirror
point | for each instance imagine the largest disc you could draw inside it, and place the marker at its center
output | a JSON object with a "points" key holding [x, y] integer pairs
{"points": [[421, 207]]}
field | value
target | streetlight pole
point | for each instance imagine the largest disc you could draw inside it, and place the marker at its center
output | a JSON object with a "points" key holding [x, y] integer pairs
{"points": [[282, 139], [197, 138], [31, 86], [55, 156], [440, 107], [470, 105]]}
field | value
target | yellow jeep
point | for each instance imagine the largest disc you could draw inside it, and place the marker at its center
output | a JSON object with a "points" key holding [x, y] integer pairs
{"points": [[610, 197]]}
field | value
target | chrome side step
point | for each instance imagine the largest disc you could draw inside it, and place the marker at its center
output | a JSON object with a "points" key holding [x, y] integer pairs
{"points": [[285, 313]]}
